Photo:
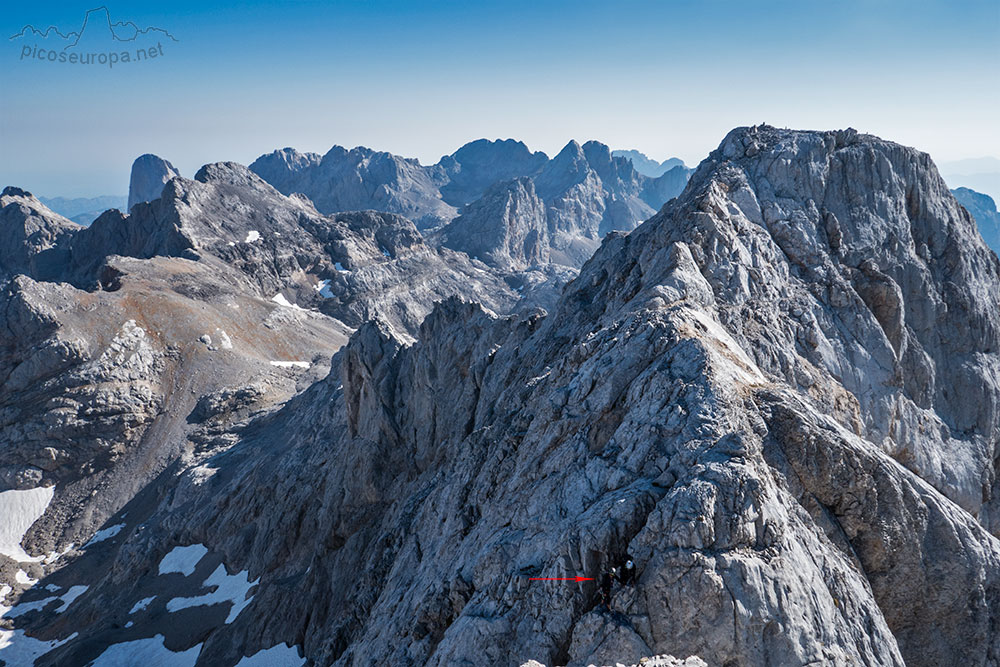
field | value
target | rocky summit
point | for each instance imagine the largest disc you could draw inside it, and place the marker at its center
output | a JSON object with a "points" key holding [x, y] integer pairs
{"points": [[244, 426]]}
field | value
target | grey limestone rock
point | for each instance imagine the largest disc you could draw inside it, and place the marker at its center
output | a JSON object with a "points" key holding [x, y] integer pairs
{"points": [[778, 397]]}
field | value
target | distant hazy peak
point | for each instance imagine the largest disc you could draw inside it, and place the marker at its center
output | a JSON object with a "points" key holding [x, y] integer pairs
{"points": [[646, 165]]}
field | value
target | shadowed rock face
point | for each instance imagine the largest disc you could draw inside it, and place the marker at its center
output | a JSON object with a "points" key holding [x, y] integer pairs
{"points": [[149, 174], [778, 397]]}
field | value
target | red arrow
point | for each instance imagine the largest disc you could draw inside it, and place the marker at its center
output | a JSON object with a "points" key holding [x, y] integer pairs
{"points": [[561, 578]]}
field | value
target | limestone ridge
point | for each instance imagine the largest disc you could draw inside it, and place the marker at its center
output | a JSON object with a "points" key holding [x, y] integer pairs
{"points": [[149, 174], [778, 396]]}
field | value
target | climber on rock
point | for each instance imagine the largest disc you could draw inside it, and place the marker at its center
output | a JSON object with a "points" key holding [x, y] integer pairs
{"points": [[624, 575], [607, 581], [628, 572]]}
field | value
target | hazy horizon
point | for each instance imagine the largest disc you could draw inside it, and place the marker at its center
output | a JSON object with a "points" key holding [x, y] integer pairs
{"points": [[420, 82]]}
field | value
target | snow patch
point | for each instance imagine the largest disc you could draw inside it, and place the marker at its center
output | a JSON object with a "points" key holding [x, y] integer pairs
{"points": [[66, 599], [281, 655], [149, 652], [70, 596], [105, 533], [280, 299], [183, 559], [340, 267], [141, 604], [22, 577], [24, 607], [252, 235], [228, 588], [53, 556], [18, 511], [17, 648], [385, 253], [289, 364], [4, 590]]}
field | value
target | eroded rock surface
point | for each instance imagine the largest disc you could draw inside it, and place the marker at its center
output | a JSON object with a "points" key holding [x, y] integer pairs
{"points": [[778, 397]]}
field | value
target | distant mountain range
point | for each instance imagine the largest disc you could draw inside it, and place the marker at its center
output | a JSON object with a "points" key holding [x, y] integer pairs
{"points": [[84, 210], [979, 174], [984, 209], [582, 193], [648, 166]]}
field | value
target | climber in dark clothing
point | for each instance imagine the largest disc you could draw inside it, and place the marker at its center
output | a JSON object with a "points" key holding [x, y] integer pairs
{"points": [[625, 575], [607, 581]]}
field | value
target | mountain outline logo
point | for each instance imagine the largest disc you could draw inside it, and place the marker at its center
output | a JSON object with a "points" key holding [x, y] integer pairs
{"points": [[99, 40]]}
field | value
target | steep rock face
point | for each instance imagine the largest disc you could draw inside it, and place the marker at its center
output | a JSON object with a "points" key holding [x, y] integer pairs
{"points": [[869, 253], [506, 227], [149, 174], [30, 234], [984, 210], [589, 193], [709, 399]]}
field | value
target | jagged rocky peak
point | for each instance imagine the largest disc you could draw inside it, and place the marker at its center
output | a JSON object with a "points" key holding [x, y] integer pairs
{"points": [[506, 227], [231, 173], [785, 381], [850, 228], [784, 314], [587, 191], [149, 174]]}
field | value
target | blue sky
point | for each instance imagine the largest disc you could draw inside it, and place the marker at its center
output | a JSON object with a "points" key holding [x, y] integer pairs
{"points": [[420, 79]]}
